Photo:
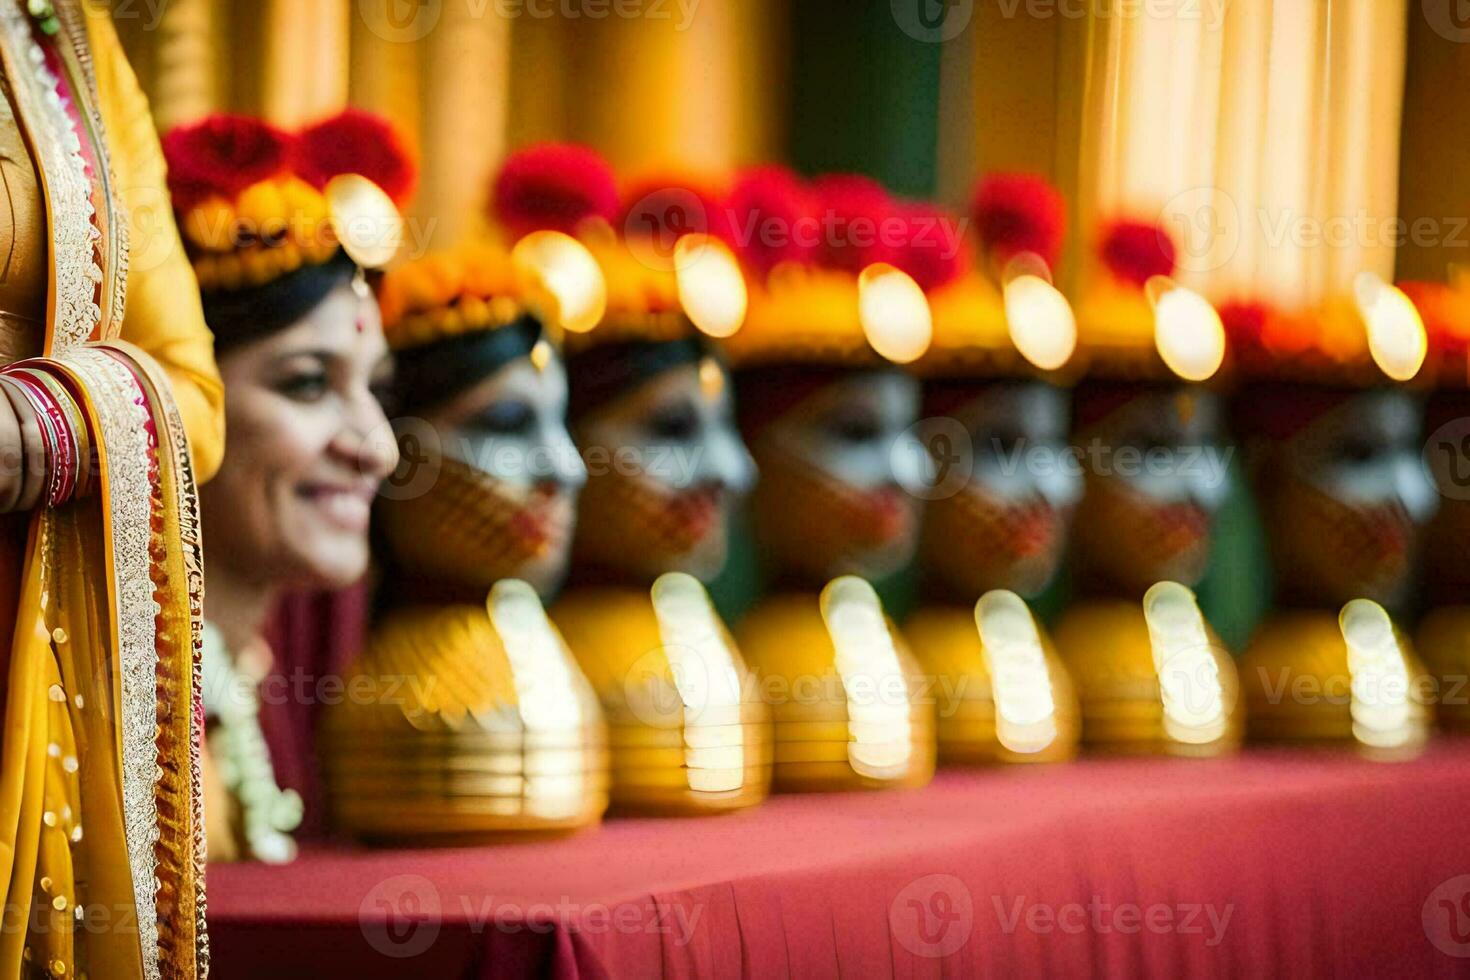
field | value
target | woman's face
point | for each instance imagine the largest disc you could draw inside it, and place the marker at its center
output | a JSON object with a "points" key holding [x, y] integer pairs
{"points": [[1343, 501], [503, 502], [664, 463], [1154, 478], [1006, 526], [308, 447], [832, 498]]}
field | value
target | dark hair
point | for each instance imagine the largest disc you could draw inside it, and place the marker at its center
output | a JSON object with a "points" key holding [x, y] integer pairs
{"points": [[239, 316], [598, 375], [431, 375]]}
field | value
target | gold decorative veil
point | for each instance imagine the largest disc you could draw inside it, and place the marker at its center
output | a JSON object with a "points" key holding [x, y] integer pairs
{"points": [[101, 831]]}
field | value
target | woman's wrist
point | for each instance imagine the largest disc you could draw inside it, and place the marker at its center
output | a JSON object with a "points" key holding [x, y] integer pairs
{"points": [[56, 449]]}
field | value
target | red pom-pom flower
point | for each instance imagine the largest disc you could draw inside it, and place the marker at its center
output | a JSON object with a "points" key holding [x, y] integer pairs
{"points": [[1136, 251], [772, 218], [1016, 213], [670, 206], [223, 154], [1245, 323], [553, 186], [934, 251], [859, 224], [356, 142]]}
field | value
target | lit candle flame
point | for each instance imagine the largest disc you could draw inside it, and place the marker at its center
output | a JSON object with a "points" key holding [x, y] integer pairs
{"points": [[1190, 686], [895, 313], [1187, 330], [711, 288], [1396, 336], [556, 271]]}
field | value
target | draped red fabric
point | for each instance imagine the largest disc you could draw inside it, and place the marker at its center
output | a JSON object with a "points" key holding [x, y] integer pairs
{"points": [[314, 638], [1280, 862]]}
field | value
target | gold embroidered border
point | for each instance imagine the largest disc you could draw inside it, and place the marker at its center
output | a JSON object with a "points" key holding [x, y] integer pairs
{"points": [[63, 170], [123, 418]]}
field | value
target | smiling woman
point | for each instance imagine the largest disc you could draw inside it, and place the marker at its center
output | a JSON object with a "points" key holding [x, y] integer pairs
{"points": [[300, 343]]}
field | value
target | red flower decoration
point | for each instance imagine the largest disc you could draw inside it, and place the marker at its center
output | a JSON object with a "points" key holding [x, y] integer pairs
{"points": [[1136, 251], [553, 186], [859, 224], [223, 154], [773, 218], [1019, 213], [1446, 315], [934, 251], [1245, 323], [670, 206], [356, 142]]}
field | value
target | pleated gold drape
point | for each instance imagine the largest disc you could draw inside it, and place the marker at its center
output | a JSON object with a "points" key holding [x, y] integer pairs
{"points": [[694, 86], [1263, 133]]}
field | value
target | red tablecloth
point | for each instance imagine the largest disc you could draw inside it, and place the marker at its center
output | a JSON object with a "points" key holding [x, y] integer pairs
{"points": [[1281, 863]]}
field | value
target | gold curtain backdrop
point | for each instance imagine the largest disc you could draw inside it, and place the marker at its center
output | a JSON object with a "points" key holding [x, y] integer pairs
{"points": [[1253, 128], [696, 86]]}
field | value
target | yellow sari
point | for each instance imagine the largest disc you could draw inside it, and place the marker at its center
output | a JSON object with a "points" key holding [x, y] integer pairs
{"points": [[101, 829]]}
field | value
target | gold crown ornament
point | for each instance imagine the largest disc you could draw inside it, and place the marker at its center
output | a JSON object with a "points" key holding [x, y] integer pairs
{"points": [[1135, 322], [833, 293], [847, 699], [467, 723], [688, 731], [668, 276], [1000, 316], [256, 203]]}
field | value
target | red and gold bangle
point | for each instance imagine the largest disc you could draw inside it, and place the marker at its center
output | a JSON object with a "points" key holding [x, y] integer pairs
{"points": [[71, 431], [58, 430]]}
